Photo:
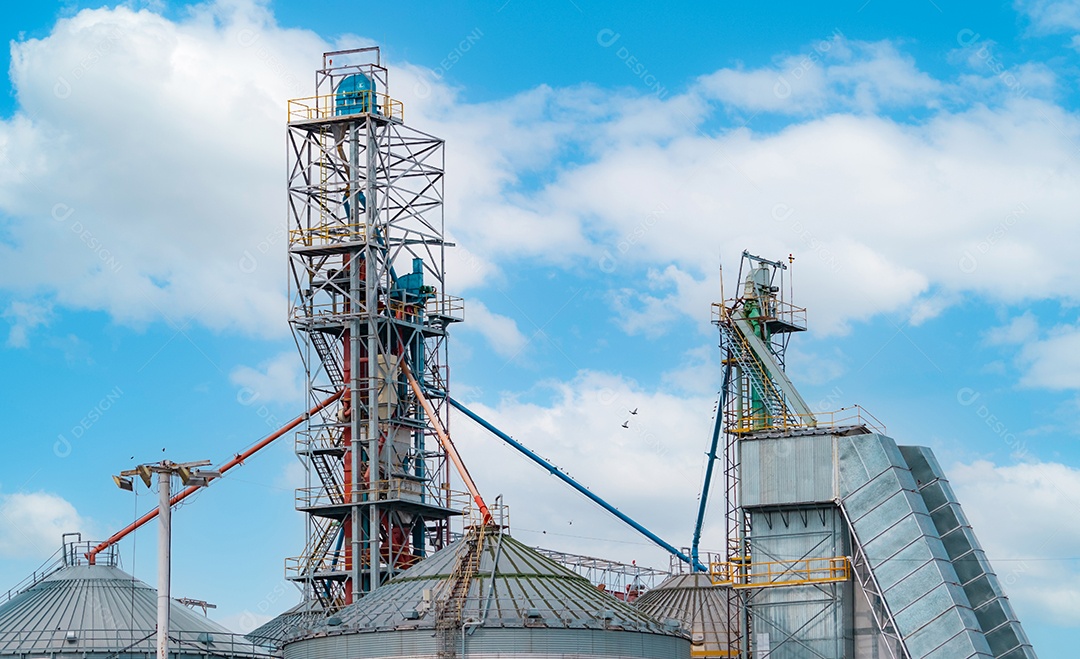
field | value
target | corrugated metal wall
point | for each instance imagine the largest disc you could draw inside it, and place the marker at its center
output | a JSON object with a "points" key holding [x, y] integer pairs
{"points": [[992, 609], [908, 559], [503, 643], [788, 470], [793, 622]]}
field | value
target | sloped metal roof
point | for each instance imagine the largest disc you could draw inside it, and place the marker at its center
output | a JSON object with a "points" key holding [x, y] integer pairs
{"points": [[700, 607], [102, 609], [515, 587], [287, 623]]}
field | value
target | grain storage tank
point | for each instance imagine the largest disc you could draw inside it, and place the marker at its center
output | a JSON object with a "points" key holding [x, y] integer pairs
{"points": [[489, 595], [73, 609], [700, 607]]}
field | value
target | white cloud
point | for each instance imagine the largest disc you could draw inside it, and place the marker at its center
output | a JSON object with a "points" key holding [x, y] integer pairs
{"points": [[972, 201], [1042, 495], [1051, 16], [1052, 362], [651, 315], [832, 74], [148, 152], [501, 332], [1021, 329], [33, 523], [278, 380], [24, 318]]}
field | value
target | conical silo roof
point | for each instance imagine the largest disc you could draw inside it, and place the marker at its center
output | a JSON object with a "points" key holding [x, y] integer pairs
{"points": [[102, 610], [287, 623], [528, 589], [516, 603], [699, 606]]}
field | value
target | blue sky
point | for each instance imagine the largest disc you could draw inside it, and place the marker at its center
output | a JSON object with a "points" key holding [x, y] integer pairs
{"points": [[919, 160]]}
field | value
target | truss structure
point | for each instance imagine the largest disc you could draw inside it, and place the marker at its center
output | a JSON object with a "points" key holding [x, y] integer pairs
{"points": [[367, 298], [755, 327]]}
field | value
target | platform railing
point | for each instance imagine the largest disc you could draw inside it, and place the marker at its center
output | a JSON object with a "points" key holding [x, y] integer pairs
{"points": [[771, 309], [394, 489], [765, 574], [349, 104], [853, 415], [129, 642]]}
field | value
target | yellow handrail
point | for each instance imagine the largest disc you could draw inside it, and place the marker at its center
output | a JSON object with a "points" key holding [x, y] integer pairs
{"points": [[853, 415], [745, 574], [329, 106]]}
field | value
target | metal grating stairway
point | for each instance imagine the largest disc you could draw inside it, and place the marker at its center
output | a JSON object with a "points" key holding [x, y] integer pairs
{"points": [[448, 610], [329, 358], [751, 366]]}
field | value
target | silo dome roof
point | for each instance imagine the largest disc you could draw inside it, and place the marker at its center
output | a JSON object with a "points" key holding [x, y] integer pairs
{"points": [[514, 586], [699, 606], [100, 609]]}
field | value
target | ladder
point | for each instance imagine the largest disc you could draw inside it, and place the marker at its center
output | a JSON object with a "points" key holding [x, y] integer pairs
{"points": [[448, 611], [328, 357], [328, 477], [743, 355]]}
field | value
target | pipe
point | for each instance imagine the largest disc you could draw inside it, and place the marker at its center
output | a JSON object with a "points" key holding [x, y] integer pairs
{"points": [[188, 491], [448, 445], [717, 425], [554, 471]]}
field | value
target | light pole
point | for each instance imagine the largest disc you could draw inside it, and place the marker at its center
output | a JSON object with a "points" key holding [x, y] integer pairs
{"points": [[191, 476]]}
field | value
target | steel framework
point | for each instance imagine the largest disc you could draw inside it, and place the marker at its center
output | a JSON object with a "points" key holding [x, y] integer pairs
{"points": [[367, 306], [755, 397]]}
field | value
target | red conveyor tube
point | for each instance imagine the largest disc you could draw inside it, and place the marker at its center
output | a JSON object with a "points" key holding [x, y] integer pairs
{"points": [[188, 491]]}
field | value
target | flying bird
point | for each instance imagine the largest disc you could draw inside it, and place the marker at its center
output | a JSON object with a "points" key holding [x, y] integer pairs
{"points": [[626, 424], [633, 411]]}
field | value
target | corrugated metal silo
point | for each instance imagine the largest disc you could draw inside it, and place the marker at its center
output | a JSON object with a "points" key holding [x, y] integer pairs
{"points": [[71, 609], [700, 607], [489, 595]]}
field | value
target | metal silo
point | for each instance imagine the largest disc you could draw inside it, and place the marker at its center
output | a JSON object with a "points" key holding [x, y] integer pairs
{"points": [[488, 595], [700, 607], [72, 609]]}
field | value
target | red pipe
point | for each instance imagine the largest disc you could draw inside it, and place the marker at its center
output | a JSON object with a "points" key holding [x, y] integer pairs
{"points": [[91, 556]]}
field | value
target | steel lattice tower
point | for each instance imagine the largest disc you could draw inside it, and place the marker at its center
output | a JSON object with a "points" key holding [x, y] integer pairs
{"points": [[367, 302]]}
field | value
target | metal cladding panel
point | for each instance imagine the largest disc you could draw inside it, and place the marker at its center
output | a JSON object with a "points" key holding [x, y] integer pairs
{"points": [[494, 642], [800, 620], [993, 613], [107, 610], [888, 517], [903, 563], [787, 470]]}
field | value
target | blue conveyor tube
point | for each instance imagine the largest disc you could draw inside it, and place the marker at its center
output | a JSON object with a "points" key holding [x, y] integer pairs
{"points": [[554, 471], [717, 425]]}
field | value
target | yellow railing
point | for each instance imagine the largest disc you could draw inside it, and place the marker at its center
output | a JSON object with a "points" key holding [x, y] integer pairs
{"points": [[299, 566], [330, 233], [329, 106], [853, 415], [745, 574], [324, 441]]}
